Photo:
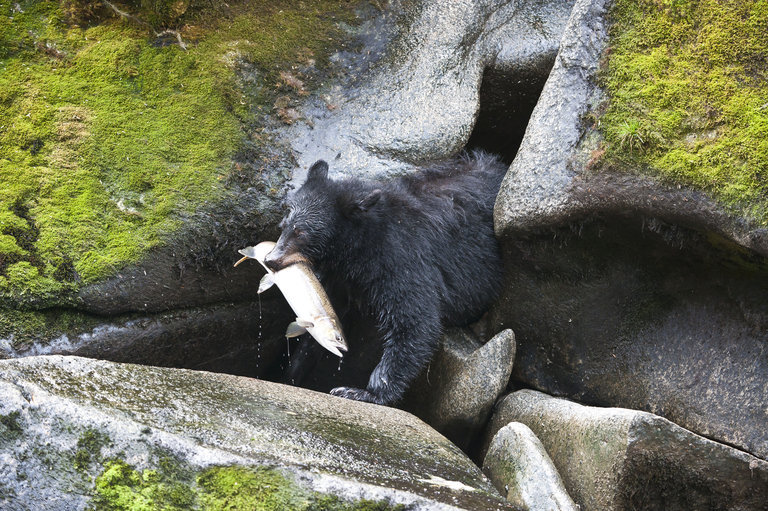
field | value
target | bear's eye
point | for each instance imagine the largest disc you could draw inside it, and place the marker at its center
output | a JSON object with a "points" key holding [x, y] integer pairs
{"points": [[297, 231]]}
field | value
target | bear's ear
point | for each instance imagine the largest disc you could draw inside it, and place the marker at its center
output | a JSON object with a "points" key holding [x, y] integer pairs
{"points": [[369, 200], [356, 205], [318, 171]]}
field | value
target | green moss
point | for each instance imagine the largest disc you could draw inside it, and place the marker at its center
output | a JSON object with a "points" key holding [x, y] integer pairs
{"points": [[89, 447], [242, 488], [110, 137], [122, 488], [688, 88], [24, 279], [10, 422], [266, 489], [27, 327]]}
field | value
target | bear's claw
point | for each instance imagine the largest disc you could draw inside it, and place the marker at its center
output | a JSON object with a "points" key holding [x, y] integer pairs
{"points": [[355, 394]]}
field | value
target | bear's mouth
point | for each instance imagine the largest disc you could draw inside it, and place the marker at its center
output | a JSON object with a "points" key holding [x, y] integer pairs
{"points": [[289, 260]]}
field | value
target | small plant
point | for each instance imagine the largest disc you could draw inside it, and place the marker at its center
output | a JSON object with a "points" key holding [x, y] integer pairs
{"points": [[11, 423], [630, 135]]}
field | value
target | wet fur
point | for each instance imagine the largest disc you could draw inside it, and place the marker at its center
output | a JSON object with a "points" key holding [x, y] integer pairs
{"points": [[415, 253]]}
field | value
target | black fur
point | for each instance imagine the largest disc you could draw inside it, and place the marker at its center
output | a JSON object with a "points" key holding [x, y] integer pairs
{"points": [[416, 253]]}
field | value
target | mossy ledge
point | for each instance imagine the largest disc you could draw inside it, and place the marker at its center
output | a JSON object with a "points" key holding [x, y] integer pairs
{"points": [[22, 328], [687, 82], [116, 128], [121, 487]]}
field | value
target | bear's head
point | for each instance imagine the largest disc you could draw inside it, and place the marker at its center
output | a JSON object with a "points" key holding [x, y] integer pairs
{"points": [[318, 211]]}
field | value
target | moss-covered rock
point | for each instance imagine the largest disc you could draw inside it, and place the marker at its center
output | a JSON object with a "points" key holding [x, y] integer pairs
{"points": [[628, 288], [112, 135], [653, 107], [121, 487], [376, 96], [687, 96], [126, 437], [22, 328]]}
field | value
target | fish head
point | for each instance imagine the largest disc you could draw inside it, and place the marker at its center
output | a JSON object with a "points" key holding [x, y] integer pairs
{"points": [[308, 228], [329, 335]]}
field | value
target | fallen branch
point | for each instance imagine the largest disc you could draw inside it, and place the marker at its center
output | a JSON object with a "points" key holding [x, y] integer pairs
{"points": [[140, 21], [124, 14], [173, 32]]}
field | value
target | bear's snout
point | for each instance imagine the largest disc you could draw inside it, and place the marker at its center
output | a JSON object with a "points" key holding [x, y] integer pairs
{"points": [[273, 260], [280, 258]]}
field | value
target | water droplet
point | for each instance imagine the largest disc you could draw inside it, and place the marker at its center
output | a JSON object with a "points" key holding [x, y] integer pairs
{"points": [[259, 336]]}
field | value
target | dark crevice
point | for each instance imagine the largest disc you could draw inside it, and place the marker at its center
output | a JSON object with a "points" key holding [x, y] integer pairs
{"points": [[506, 103]]}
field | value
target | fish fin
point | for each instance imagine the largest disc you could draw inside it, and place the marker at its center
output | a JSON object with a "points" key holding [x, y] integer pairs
{"points": [[266, 282], [247, 253], [295, 330], [304, 323]]}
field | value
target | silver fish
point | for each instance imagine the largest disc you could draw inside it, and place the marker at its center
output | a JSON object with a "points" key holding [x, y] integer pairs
{"points": [[305, 295]]}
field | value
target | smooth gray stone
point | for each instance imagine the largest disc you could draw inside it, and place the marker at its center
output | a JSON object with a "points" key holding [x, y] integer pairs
{"points": [[520, 468], [619, 459], [346, 448], [457, 391]]}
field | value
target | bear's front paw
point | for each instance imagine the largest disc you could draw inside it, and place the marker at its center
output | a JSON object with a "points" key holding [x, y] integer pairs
{"points": [[355, 394]]}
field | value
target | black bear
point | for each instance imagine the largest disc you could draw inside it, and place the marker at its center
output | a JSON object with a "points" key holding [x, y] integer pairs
{"points": [[414, 253]]}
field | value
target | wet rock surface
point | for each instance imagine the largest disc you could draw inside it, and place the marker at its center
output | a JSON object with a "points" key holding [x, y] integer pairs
{"points": [[521, 469], [534, 191], [646, 316], [355, 450], [611, 458], [405, 90], [513, 80], [421, 101], [235, 338], [623, 291], [456, 393]]}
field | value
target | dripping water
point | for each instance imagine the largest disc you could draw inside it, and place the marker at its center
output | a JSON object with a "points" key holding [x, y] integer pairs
{"points": [[259, 337]]}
